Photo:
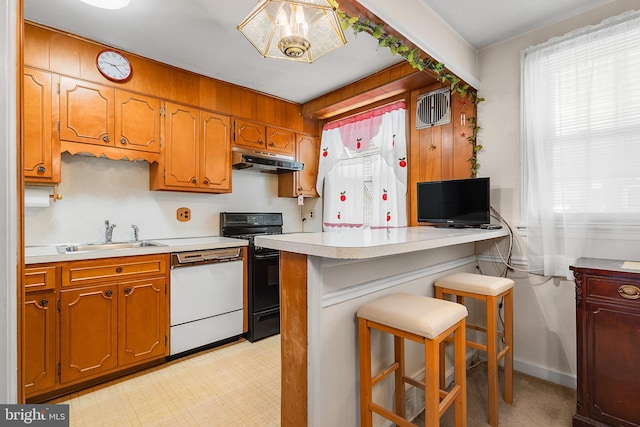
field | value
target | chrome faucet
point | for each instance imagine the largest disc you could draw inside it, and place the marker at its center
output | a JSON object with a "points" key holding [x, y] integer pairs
{"points": [[108, 231], [136, 232]]}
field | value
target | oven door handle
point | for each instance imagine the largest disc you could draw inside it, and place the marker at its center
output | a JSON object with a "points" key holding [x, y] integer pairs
{"points": [[267, 256]]}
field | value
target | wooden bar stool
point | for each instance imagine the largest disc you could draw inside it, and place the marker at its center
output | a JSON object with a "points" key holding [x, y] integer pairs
{"points": [[424, 320], [491, 290]]}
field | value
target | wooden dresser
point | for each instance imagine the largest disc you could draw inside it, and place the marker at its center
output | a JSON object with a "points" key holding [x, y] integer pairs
{"points": [[608, 342]]}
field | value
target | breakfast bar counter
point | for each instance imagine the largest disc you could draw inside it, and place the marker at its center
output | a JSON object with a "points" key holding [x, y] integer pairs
{"points": [[324, 278]]}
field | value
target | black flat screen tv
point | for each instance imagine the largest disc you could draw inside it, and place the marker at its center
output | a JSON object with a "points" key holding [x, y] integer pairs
{"points": [[454, 203]]}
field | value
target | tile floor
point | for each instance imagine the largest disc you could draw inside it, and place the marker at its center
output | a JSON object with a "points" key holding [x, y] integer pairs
{"points": [[234, 385]]}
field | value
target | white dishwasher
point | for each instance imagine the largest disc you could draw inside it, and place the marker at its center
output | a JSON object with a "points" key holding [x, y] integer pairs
{"points": [[206, 298]]}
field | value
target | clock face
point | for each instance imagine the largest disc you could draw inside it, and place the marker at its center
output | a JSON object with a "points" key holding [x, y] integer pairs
{"points": [[114, 66]]}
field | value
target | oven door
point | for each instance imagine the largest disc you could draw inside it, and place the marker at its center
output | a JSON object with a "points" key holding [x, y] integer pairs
{"points": [[265, 279]]}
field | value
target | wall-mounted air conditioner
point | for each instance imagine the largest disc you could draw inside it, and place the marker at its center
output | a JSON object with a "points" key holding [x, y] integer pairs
{"points": [[433, 108]]}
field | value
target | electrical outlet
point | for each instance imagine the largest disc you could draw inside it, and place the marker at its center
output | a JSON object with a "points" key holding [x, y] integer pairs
{"points": [[183, 214]]}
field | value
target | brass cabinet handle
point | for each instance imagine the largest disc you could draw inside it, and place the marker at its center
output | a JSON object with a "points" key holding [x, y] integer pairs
{"points": [[44, 302], [42, 169], [629, 292], [105, 138], [127, 290], [272, 144], [194, 181], [206, 182], [119, 270], [123, 141], [108, 293]]}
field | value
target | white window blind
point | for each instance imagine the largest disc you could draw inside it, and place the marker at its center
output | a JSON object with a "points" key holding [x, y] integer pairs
{"points": [[588, 96]]}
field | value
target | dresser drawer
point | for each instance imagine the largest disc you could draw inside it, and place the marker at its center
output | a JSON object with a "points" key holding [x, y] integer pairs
{"points": [[112, 269], [38, 278], [619, 290]]}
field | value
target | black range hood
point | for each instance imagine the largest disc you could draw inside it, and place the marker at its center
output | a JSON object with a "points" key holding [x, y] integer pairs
{"points": [[264, 162]]}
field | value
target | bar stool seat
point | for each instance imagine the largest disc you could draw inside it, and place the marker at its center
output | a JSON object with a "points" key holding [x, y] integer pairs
{"points": [[491, 290], [425, 320]]}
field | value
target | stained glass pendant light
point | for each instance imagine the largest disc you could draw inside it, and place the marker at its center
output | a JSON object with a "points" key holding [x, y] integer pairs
{"points": [[302, 30]]}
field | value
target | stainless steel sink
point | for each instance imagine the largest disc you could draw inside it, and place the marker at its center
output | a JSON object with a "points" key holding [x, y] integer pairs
{"points": [[89, 247]]}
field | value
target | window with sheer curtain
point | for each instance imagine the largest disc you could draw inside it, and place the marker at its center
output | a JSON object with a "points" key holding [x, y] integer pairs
{"points": [[363, 170], [581, 139]]}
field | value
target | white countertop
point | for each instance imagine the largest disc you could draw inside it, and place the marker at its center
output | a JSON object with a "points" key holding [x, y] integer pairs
{"points": [[372, 243], [49, 253]]}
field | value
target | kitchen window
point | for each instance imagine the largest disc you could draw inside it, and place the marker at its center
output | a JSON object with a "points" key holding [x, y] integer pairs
{"points": [[581, 139], [362, 172]]}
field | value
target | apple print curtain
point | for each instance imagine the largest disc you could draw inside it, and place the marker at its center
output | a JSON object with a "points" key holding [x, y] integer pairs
{"points": [[363, 169]]}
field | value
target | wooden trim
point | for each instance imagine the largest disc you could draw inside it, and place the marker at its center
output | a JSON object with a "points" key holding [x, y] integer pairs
{"points": [[394, 80], [293, 336], [20, 295]]}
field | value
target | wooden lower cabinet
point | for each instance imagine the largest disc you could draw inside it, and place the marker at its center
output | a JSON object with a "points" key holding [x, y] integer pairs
{"points": [[142, 320], [608, 343], [105, 324], [88, 332], [39, 341]]}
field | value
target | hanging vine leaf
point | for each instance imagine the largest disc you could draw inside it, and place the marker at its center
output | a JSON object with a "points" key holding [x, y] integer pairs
{"points": [[412, 56]]}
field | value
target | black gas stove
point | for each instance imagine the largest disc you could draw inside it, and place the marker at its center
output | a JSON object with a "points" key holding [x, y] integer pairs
{"points": [[263, 269]]}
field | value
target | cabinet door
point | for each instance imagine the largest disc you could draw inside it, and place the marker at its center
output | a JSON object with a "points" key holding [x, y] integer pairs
{"points": [[142, 320], [137, 122], [249, 135], [88, 332], [39, 341], [182, 146], [612, 337], [40, 137], [302, 182], [215, 152], [280, 141], [308, 153], [86, 112]]}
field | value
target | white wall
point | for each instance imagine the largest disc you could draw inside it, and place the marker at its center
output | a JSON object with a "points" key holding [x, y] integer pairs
{"points": [[545, 311], [96, 189], [8, 214]]}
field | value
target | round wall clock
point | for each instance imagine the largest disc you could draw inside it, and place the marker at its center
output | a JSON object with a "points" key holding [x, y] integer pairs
{"points": [[114, 66]]}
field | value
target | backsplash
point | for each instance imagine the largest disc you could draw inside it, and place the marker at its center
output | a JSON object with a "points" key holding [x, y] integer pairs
{"points": [[96, 189]]}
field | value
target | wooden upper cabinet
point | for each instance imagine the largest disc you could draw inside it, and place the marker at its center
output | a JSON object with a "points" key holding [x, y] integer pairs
{"points": [[308, 152], [41, 151], [197, 152], [86, 112], [280, 141], [302, 182], [249, 135], [137, 119], [257, 136], [101, 120], [181, 154], [215, 151]]}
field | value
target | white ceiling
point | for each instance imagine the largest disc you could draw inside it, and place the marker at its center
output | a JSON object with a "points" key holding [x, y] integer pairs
{"points": [[483, 23], [201, 36]]}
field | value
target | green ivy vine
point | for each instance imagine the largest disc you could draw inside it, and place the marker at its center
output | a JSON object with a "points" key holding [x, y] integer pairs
{"points": [[417, 61]]}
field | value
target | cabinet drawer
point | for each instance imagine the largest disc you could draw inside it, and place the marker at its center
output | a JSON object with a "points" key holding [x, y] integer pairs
{"points": [[617, 289], [37, 278], [112, 269]]}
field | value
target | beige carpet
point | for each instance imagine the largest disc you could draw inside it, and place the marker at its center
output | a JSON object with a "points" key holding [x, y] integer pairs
{"points": [[536, 403]]}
